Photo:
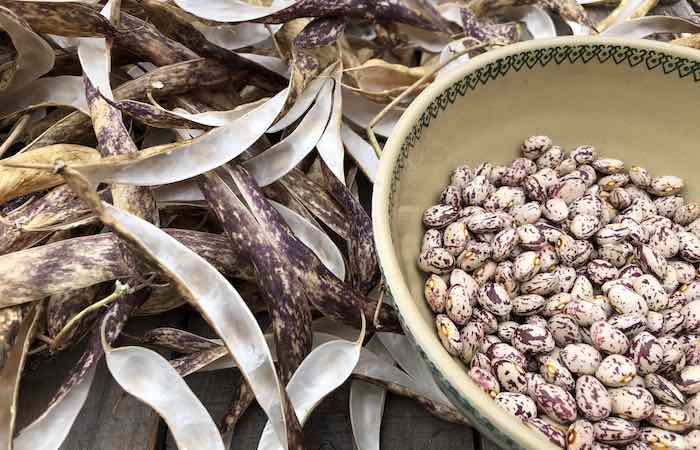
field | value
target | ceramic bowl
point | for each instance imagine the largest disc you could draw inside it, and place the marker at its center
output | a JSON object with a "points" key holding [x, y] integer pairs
{"points": [[634, 100]]}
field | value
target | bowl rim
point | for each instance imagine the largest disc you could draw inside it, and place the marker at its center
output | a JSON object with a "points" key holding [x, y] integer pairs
{"points": [[443, 365]]}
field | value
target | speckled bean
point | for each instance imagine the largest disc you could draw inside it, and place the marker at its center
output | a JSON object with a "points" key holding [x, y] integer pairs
{"points": [[631, 402]]}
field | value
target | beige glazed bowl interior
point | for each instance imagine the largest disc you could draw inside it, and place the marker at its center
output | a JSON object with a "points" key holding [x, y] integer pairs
{"points": [[634, 100]]}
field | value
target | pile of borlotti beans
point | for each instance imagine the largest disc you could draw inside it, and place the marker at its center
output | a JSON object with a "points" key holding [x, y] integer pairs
{"points": [[567, 284]]}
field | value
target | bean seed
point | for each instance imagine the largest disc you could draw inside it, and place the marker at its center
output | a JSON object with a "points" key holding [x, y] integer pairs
{"points": [[666, 185], [485, 380], [461, 176], [533, 338], [581, 359], [555, 436], [436, 293], [431, 239], [657, 438], [664, 390], [472, 336], [556, 403], [615, 431], [669, 418], [580, 435], [519, 405], [449, 334], [510, 375], [608, 339], [436, 260], [616, 371], [631, 402]]}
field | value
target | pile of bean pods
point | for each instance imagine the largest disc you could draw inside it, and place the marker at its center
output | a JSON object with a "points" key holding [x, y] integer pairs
{"points": [[567, 284]]}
